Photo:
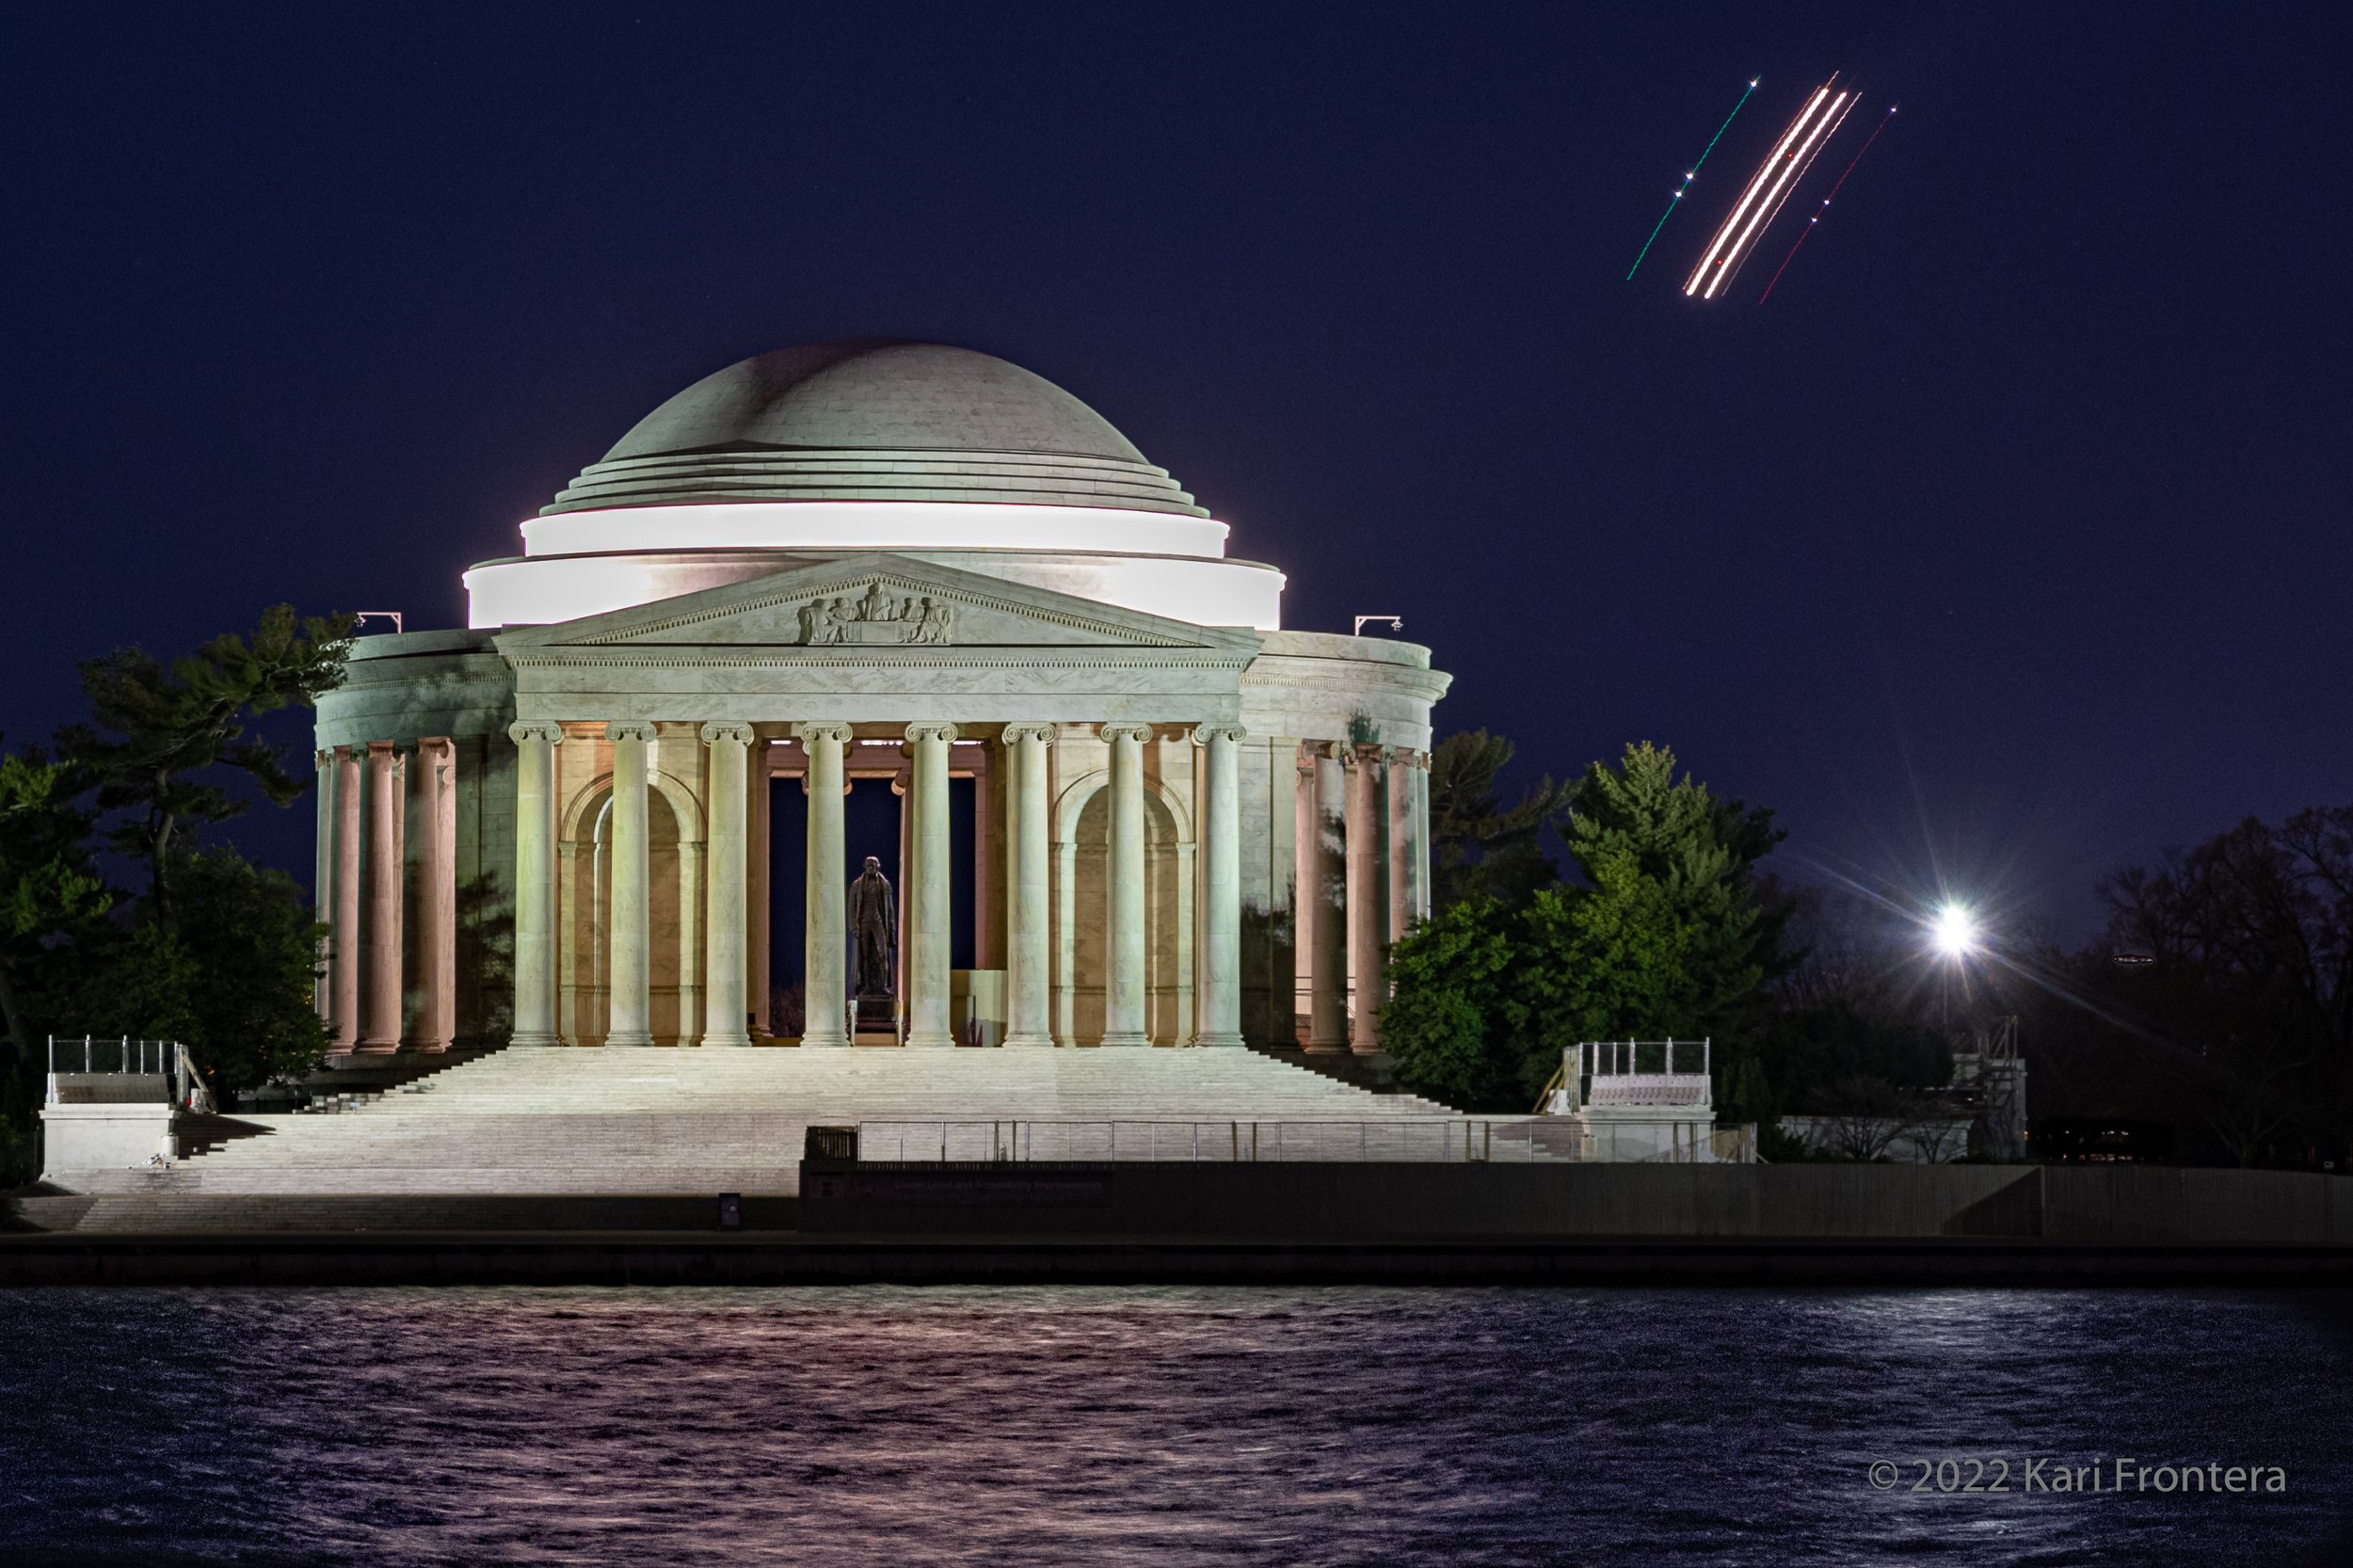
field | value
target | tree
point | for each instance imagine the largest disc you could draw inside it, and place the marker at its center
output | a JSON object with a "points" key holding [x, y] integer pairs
{"points": [[1480, 848], [158, 732], [1456, 1022], [1671, 939], [47, 886], [1663, 937], [2246, 988], [233, 982]]}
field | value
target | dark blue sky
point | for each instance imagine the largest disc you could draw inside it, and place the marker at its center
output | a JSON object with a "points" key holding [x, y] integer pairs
{"points": [[2012, 532]]}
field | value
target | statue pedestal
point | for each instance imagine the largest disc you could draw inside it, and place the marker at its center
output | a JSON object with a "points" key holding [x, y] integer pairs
{"points": [[875, 1021]]}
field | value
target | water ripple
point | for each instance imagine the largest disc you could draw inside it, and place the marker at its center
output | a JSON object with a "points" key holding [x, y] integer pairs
{"points": [[1169, 1426]]}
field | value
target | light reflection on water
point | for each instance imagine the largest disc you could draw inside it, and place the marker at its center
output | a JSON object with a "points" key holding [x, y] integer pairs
{"points": [[1178, 1426]]}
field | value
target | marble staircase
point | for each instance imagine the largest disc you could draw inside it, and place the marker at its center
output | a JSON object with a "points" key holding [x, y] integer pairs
{"points": [[552, 1120]]}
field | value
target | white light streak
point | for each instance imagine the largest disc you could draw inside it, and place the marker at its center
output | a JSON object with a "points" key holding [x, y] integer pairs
{"points": [[1756, 184], [1796, 164]]}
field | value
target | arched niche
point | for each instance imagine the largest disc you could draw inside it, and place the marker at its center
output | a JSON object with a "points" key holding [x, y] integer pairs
{"points": [[674, 911], [1082, 912]]}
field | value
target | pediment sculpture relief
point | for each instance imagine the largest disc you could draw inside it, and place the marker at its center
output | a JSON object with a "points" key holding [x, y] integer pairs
{"points": [[877, 616]]}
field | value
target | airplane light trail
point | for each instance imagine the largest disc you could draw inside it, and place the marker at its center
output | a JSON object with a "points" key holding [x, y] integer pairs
{"points": [[1687, 183], [1793, 165], [1772, 182], [1826, 201], [1837, 119]]}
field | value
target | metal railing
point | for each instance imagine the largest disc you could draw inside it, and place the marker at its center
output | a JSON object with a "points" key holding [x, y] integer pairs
{"points": [[119, 1070], [1628, 1072], [1451, 1140]]}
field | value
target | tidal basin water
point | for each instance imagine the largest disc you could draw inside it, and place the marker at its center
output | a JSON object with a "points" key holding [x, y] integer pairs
{"points": [[1166, 1426]]}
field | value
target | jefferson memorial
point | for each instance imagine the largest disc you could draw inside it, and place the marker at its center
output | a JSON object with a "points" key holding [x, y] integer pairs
{"points": [[881, 599]]}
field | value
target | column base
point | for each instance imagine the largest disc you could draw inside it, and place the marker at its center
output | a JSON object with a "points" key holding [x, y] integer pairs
{"points": [[824, 1042], [1373, 1049], [375, 1047], [631, 1037], [739, 1038], [1028, 1042], [535, 1037], [1325, 1048], [1127, 1037], [1230, 1040], [930, 1040]]}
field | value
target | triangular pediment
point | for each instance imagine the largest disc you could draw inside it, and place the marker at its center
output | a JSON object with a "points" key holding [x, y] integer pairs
{"points": [[880, 602]]}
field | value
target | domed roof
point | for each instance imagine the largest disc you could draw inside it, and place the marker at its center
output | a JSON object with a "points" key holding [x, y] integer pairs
{"points": [[875, 420]]}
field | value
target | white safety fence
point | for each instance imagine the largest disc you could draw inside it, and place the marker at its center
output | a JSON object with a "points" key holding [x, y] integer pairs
{"points": [[1436, 1140]]}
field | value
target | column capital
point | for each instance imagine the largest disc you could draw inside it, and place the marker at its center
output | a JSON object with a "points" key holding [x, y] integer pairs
{"points": [[1357, 753], [1205, 733], [823, 730], [536, 729], [1042, 734], [920, 732], [323, 759], [1137, 732], [735, 733], [628, 730]]}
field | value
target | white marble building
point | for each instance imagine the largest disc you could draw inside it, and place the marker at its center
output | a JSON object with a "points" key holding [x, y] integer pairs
{"points": [[900, 565]]}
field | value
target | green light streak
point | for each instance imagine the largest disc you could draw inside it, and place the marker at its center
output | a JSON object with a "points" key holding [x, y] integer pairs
{"points": [[1687, 181]]}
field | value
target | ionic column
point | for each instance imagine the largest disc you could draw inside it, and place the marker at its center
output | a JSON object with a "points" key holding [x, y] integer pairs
{"points": [[1368, 904], [1403, 909], [534, 881], [724, 1010], [927, 900], [1324, 905], [825, 982], [1218, 993], [380, 1030], [344, 941], [1123, 986], [1422, 837], [1027, 971], [323, 890], [630, 1017], [437, 894]]}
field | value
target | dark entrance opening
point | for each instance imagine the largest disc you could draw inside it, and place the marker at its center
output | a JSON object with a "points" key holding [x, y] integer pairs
{"points": [[869, 825]]}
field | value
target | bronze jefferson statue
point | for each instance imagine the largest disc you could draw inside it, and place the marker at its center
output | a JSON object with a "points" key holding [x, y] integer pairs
{"points": [[875, 927]]}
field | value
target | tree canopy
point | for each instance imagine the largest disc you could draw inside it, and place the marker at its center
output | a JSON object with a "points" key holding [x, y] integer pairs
{"points": [[1661, 935], [157, 731], [217, 953]]}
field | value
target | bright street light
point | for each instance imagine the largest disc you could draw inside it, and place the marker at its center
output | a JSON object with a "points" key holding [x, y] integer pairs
{"points": [[1956, 932]]}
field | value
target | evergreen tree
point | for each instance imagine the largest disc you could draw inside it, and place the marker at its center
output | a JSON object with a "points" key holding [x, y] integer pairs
{"points": [[1664, 937], [160, 730], [1676, 942], [1480, 848], [48, 893]]}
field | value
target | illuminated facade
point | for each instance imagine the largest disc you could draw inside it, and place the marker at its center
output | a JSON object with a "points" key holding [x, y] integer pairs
{"points": [[624, 806]]}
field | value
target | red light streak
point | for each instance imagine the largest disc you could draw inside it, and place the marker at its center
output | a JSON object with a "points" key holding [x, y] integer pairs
{"points": [[1826, 201]]}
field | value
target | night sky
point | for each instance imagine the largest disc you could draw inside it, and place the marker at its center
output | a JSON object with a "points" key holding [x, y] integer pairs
{"points": [[2007, 538]]}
